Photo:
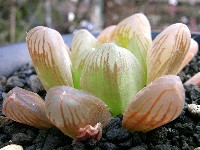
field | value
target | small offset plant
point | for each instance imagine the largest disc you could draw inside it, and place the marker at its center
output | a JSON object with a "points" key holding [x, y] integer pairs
{"points": [[122, 71]]}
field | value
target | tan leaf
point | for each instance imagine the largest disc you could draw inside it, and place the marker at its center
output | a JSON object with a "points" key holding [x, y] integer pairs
{"points": [[105, 35], [70, 109], [168, 51], [25, 107], [195, 80], [193, 50], [50, 57], [157, 104]]}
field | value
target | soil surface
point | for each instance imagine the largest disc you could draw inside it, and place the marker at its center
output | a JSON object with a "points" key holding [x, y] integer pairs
{"points": [[182, 133]]}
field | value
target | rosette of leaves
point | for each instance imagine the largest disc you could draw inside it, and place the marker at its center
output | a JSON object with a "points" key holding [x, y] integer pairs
{"points": [[122, 71]]}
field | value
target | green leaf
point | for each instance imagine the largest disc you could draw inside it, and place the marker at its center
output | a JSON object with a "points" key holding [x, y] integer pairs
{"points": [[83, 43], [50, 57], [125, 30], [139, 45], [114, 75]]}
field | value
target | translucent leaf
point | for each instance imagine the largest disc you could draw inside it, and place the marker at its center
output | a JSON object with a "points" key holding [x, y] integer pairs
{"points": [[50, 57], [168, 51], [124, 31], [193, 50], [139, 45], [195, 80], [70, 109], [25, 107], [106, 34], [157, 104], [83, 43], [114, 75]]}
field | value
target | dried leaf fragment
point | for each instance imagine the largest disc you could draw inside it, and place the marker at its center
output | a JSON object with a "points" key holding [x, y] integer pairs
{"points": [[88, 132], [157, 104], [25, 107]]}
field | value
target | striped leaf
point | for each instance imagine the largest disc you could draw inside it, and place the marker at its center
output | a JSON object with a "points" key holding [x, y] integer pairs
{"points": [[194, 80], [157, 104], [168, 51], [193, 50], [49, 56], [70, 109], [106, 35], [138, 45], [83, 43], [25, 107], [114, 75], [124, 31]]}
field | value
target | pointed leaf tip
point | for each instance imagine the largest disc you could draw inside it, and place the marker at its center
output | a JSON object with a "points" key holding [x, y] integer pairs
{"points": [[70, 109], [157, 104], [25, 107], [50, 57]]}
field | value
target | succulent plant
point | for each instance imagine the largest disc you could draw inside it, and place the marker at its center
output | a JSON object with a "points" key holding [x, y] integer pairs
{"points": [[120, 71]]}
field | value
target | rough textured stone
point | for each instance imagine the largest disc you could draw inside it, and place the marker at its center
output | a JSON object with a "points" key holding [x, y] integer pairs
{"points": [[35, 84], [2, 81], [12, 147], [13, 81], [194, 109]]}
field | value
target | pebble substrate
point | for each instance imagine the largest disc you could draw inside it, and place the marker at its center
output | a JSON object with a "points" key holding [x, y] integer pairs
{"points": [[182, 133]]}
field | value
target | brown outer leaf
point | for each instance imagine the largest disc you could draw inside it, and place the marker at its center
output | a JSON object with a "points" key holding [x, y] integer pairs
{"points": [[105, 35], [25, 107], [195, 80], [157, 104], [70, 109], [168, 51], [193, 50], [50, 57]]}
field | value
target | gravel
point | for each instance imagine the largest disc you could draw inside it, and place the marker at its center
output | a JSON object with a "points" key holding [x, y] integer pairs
{"points": [[182, 133]]}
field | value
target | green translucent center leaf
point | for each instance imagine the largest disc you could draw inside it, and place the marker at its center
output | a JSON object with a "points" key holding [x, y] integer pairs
{"points": [[113, 74], [83, 43]]}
